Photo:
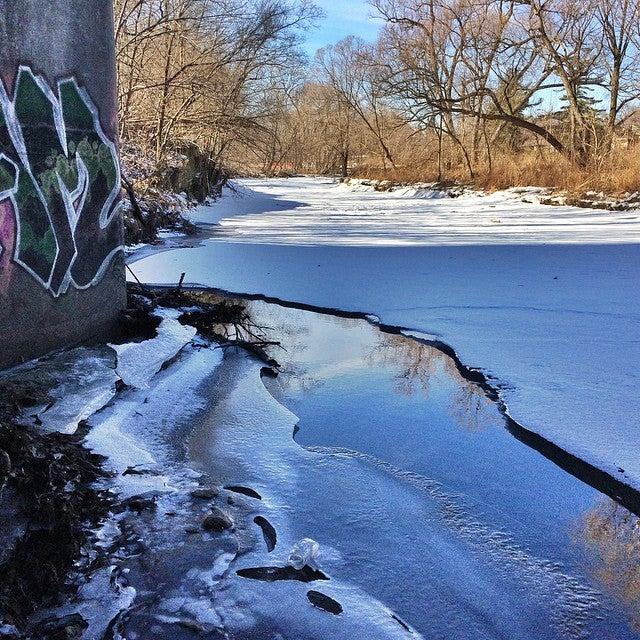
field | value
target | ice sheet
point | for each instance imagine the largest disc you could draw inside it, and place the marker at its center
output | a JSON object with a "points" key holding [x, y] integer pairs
{"points": [[375, 525], [129, 432], [304, 211], [81, 381]]}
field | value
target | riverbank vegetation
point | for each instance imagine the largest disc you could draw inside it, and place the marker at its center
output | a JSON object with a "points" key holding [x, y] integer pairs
{"points": [[494, 92]]}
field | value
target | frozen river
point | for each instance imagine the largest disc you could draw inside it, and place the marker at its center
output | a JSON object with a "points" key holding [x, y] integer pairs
{"points": [[544, 300], [418, 496], [457, 478]]}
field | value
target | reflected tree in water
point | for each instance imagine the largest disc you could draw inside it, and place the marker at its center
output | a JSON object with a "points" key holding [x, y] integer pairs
{"points": [[295, 337], [613, 533], [417, 364]]}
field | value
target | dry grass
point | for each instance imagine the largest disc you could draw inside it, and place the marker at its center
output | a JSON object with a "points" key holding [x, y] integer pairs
{"points": [[615, 176]]}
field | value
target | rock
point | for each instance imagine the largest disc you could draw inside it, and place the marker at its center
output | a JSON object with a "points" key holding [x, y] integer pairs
{"points": [[205, 494], [217, 521], [135, 471], [140, 503]]}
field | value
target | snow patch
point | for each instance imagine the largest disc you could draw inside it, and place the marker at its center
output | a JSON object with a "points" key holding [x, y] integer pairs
{"points": [[304, 211]]}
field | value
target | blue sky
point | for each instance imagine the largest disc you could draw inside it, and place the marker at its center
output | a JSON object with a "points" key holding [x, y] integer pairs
{"points": [[343, 18]]}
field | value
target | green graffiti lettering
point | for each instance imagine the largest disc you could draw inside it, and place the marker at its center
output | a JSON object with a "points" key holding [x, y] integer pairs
{"points": [[61, 173]]}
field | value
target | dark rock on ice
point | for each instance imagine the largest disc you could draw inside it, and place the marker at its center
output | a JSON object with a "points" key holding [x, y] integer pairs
{"points": [[244, 491], [268, 532], [205, 494], [274, 574], [324, 602], [136, 471], [140, 503]]}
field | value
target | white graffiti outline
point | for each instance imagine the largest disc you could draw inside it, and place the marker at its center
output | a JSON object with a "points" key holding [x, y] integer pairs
{"points": [[15, 134], [73, 201], [9, 194], [104, 220]]}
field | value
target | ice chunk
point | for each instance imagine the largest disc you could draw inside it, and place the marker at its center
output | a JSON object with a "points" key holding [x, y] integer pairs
{"points": [[89, 386], [9, 631], [100, 600], [138, 362], [131, 431], [79, 382], [304, 554]]}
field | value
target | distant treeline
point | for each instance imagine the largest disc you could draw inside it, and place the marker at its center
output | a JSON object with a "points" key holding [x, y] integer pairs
{"points": [[500, 92]]}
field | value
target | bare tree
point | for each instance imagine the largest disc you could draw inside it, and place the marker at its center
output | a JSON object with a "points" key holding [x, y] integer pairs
{"points": [[200, 72], [619, 22], [349, 68], [455, 86]]}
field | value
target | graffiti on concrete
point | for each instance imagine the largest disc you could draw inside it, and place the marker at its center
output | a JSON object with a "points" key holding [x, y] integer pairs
{"points": [[59, 185]]}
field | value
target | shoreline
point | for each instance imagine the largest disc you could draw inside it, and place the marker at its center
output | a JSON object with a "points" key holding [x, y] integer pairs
{"points": [[548, 196], [620, 491]]}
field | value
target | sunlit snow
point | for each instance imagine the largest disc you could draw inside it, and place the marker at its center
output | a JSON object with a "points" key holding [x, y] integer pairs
{"points": [[319, 212]]}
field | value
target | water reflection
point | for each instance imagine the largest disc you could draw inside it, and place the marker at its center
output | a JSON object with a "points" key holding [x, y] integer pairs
{"points": [[318, 348], [401, 409], [613, 533], [416, 365]]}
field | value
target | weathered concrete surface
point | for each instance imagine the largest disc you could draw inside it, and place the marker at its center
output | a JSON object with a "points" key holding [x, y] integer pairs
{"points": [[61, 264]]}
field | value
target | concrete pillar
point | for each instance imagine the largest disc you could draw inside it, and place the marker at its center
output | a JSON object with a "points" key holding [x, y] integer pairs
{"points": [[61, 261]]}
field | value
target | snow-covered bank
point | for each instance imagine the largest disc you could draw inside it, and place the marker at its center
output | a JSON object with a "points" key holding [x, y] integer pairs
{"points": [[555, 324], [304, 211], [629, 201]]}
